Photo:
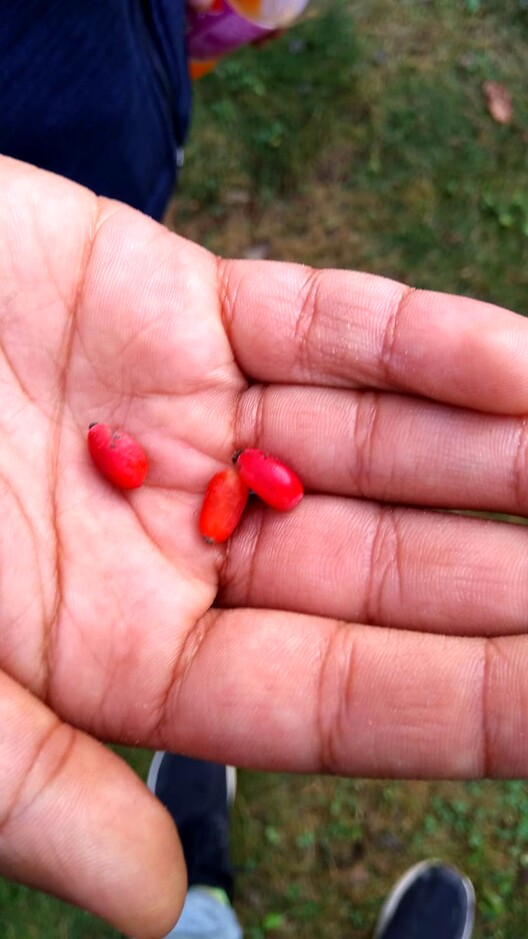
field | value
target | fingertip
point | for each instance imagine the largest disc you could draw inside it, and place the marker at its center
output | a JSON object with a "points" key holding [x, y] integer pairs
{"points": [[143, 882], [157, 884], [78, 822]]}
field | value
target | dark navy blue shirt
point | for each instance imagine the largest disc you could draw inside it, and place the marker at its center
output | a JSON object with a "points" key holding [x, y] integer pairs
{"points": [[97, 90]]}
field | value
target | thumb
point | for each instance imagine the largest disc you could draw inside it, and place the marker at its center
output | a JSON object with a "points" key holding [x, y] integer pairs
{"points": [[76, 821]]}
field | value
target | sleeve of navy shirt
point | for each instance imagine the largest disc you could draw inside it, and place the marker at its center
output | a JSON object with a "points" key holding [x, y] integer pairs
{"points": [[99, 91]]}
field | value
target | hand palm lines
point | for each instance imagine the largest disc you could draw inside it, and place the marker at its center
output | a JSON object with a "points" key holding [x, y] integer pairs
{"points": [[144, 577], [439, 689]]}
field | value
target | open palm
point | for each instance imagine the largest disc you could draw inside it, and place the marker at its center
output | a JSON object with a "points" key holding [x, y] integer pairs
{"points": [[362, 633]]}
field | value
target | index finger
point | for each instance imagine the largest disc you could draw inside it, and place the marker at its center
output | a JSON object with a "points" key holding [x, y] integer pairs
{"points": [[293, 324]]}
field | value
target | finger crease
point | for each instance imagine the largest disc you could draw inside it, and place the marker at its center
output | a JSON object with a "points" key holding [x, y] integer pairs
{"points": [[307, 318], [227, 297], [49, 635], [364, 432], [17, 807], [385, 560], [520, 465], [336, 681], [187, 655], [490, 649], [390, 335]]}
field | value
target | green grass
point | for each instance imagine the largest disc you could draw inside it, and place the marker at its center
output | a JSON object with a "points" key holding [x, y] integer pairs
{"points": [[339, 854], [315, 856], [361, 140]]}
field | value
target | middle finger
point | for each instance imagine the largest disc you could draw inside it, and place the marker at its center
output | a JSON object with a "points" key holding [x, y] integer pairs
{"points": [[390, 447], [365, 563]]}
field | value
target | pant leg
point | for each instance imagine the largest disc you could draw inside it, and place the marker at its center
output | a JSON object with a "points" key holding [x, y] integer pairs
{"points": [[205, 917], [97, 92]]}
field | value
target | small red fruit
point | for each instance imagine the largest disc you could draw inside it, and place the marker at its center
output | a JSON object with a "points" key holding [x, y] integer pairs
{"points": [[224, 502], [117, 456], [276, 484]]}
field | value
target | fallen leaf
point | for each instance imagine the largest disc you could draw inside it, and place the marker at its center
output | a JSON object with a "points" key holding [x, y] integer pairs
{"points": [[498, 100], [237, 197], [257, 252]]}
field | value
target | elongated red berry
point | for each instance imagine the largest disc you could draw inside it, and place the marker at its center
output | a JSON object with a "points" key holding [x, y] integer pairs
{"points": [[275, 483], [224, 502], [117, 456]]}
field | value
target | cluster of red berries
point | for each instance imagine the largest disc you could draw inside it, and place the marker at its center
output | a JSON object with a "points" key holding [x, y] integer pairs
{"points": [[227, 493], [121, 460]]}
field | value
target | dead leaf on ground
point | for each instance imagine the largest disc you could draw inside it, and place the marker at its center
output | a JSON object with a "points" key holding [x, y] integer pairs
{"points": [[499, 102], [237, 197], [257, 252]]}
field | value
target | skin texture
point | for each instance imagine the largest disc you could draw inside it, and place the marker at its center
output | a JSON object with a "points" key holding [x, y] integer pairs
{"points": [[364, 633]]}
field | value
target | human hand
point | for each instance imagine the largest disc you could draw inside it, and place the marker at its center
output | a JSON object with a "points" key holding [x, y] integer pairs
{"points": [[364, 633]]}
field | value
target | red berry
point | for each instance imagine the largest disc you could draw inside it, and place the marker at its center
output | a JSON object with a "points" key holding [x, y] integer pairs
{"points": [[275, 483], [224, 502], [117, 456]]}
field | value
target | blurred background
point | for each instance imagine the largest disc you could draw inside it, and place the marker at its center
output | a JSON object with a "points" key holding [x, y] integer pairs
{"points": [[364, 138], [389, 136]]}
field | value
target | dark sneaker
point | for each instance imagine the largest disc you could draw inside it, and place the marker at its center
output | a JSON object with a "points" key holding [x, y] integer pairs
{"points": [[430, 901], [198, 795]]}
